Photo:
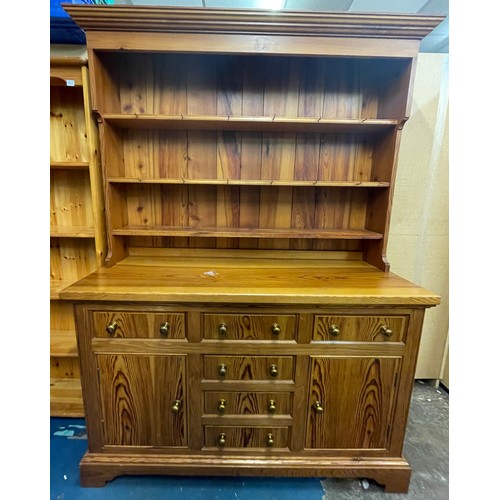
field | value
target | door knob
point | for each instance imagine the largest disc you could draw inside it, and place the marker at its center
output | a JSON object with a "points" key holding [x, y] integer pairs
{"points": [[318, 407]]}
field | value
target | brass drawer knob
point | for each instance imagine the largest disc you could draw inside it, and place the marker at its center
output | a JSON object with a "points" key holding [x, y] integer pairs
{"points": [[334, 330], [164, 328], [111, 327], [275, 329], [318, 407], [222, 329], [386, 331], [273, 370], [176, 406], [222, 370], [221, 440], [221, 406], [269, 440], [271, 406]]}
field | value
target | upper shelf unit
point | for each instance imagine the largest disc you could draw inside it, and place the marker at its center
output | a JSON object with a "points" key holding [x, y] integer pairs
{"points": [[210, 88], [250, 129]]}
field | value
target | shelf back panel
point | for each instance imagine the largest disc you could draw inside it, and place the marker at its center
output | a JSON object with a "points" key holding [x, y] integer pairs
{"points": [[225, 85]]}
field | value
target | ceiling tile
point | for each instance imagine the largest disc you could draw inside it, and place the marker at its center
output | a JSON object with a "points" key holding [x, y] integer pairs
{"points": [[396, 6], [436, 8]]}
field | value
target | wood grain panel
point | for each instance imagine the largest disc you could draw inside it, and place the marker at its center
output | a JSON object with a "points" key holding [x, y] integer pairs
{"points": [[172, 155], [247, 437], [247, 403], [136, 398], [170, 80], [136, 85], [71, 259], [138, 325], [249, 327], [138, 153], [68, 132], [64, 368], [140, 207], [360, 328], [248, 367], [61, 316], [357, 396], [229, 78], [70, 199]]}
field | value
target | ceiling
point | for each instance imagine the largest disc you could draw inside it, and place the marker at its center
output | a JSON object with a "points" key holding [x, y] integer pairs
{"points": [[436, 41]]}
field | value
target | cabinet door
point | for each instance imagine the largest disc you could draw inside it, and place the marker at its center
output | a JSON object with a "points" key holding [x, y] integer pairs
{"points": [[143, 400], [351, 402]]}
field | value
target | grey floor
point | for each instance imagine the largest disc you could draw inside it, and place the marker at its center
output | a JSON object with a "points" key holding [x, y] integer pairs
{"points": [[426, 449]]}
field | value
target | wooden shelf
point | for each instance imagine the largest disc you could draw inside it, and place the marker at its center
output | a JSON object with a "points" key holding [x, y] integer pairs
{"points": [[69, 165], [63, 344], [237, 232], [66, 397], [253, 182], [56, 286], [250, 123], [71, 232]]}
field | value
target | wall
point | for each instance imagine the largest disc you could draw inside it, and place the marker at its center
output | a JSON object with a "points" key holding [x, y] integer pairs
{"points": [[418, 238]]}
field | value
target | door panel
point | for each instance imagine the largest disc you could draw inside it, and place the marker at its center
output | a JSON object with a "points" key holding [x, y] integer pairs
{"points": [[137, 395], [356, 396]]}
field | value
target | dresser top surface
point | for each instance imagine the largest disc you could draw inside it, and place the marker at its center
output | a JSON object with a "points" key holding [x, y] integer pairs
{"points": [[160, 275]]}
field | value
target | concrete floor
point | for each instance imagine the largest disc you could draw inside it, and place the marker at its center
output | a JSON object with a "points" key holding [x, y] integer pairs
{"points": [[426, 448]]}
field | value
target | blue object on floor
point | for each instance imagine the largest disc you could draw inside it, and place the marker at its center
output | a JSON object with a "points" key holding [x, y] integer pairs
{"points": [[67, 451]]}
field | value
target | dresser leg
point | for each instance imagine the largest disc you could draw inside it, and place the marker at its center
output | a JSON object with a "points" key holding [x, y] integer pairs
{"points": [[397, 481]]}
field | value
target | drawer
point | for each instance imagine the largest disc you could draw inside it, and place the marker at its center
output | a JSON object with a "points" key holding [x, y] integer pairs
{"points": [[248, 367], [360, 328], [224, 437], [117, 324], [249, 326], [247, 403]]}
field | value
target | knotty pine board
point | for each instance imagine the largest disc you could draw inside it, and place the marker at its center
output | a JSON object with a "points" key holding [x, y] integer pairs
{"points": [[188, 83]]}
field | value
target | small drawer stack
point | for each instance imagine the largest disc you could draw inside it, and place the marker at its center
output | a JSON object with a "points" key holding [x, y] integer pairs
{"points": [[250, 400]]}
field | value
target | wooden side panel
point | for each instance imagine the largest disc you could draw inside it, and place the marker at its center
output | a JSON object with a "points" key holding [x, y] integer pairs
{"points": [[68, 132], [137, 393], [357, 397], [70, 199], [71, 258]]}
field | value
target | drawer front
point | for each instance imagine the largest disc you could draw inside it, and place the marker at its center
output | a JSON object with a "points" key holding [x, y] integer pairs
{"points": [[360, 328], [224, 437], [248, 367], [117, 324], [247, 403], [249, 327]]}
